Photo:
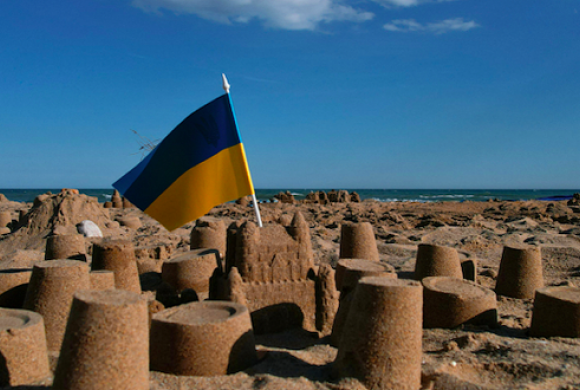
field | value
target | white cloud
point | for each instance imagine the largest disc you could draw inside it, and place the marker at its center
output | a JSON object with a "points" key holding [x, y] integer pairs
{"points": [[441, 27], [407, 3], [282, 14]]}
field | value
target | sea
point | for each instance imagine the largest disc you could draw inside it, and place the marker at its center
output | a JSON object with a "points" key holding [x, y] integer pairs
{"points": [[382, 195]]}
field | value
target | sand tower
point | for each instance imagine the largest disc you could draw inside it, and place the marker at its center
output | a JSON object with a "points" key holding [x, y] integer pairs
{"points": [[22, 347], [102, 280], [520, 272], [202, 339], [13, 286], [209, 234], [191, 270], [131, 222], [556, 312], [348, 273], [50, 293], [118, 256], [116, 200], [449, 302], [357, 241], [382, 340], [436, 260], [106, 345], [271, 270], [65, 246], [5, 218]]}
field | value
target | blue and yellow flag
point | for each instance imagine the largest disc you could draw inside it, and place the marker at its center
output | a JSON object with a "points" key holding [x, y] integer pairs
{"points": [[199, 165]]}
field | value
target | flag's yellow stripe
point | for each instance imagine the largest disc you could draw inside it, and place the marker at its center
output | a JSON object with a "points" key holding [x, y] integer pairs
{"points": [[219, 179]]}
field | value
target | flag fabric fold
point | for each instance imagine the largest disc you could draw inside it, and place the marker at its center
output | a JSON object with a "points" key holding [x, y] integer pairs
{"points": [[200, 164]]}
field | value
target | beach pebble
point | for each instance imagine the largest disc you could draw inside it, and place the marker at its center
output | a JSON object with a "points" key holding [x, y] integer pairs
{"points": [[89, 229]]}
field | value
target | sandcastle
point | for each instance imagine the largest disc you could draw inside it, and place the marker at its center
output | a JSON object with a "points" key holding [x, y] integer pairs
{"points": [[285, 197], [520, 272], [271, 271], [357, 241], [22, 347], [202, 339], [350, 271], [13, 286], [50, 293], [5, 218], [106, 345], [65, 246], [118, 256], [382, 341], [102, 280], [131, 222], [117, 200], [209, 234], [191, 270], [348, 274], [436, 260], [334, 196], [556, 312], [449, 302]]}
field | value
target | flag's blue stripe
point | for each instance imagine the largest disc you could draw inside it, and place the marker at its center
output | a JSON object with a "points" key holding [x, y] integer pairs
{"points": [[201, 135]]}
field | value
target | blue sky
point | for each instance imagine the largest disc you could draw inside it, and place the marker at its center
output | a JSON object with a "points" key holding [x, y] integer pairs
{"points": [[328, 93]]}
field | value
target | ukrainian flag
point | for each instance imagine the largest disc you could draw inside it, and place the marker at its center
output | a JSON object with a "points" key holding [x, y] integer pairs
{"points": [[199, 165]]}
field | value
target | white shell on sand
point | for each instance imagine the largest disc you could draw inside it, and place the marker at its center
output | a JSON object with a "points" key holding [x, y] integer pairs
{"points": [[89, 229]]}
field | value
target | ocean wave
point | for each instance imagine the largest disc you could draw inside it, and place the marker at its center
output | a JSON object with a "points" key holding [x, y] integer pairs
{"points": [[107, 196], [447, 196], [401, 200]]}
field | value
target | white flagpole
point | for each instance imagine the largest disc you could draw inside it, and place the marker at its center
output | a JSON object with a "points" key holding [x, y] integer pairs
{"points": [[226, 87]]}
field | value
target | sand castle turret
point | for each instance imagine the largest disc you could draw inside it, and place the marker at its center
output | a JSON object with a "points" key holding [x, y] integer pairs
{"points": [[350, 271], [127, 204], [106, 345], [436, 260], [202, 339], [191, 270], [102, 280], [209, 234], [116, 200], [13, 286], [65, 246], [118, 256], [520, 272], [556, 312], [357, 241], [449, 302], [348, 274], [5, 218], [382, 341], [131, 222], [22, 347], [50, 293]]}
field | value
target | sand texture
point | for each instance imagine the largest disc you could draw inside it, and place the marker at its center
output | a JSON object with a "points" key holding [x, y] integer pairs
{"points": [[466, 357]]}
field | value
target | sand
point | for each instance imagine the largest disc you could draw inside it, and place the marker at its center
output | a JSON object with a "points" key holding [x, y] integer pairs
{"points": [[468, 357]]}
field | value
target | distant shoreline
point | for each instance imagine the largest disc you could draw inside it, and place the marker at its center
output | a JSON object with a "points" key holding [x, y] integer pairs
{"points": [[382, 195]]}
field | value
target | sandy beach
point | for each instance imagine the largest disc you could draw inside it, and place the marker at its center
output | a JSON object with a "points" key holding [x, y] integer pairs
{"points": [[467, 357]]}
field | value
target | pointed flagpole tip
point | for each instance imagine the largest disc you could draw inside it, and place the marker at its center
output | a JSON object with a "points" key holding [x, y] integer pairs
{"points": [[226, 86]]}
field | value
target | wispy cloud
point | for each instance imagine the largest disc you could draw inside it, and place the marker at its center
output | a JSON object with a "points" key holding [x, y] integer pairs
{"points": [[440, 27], [407, 3], [281, 14]]}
